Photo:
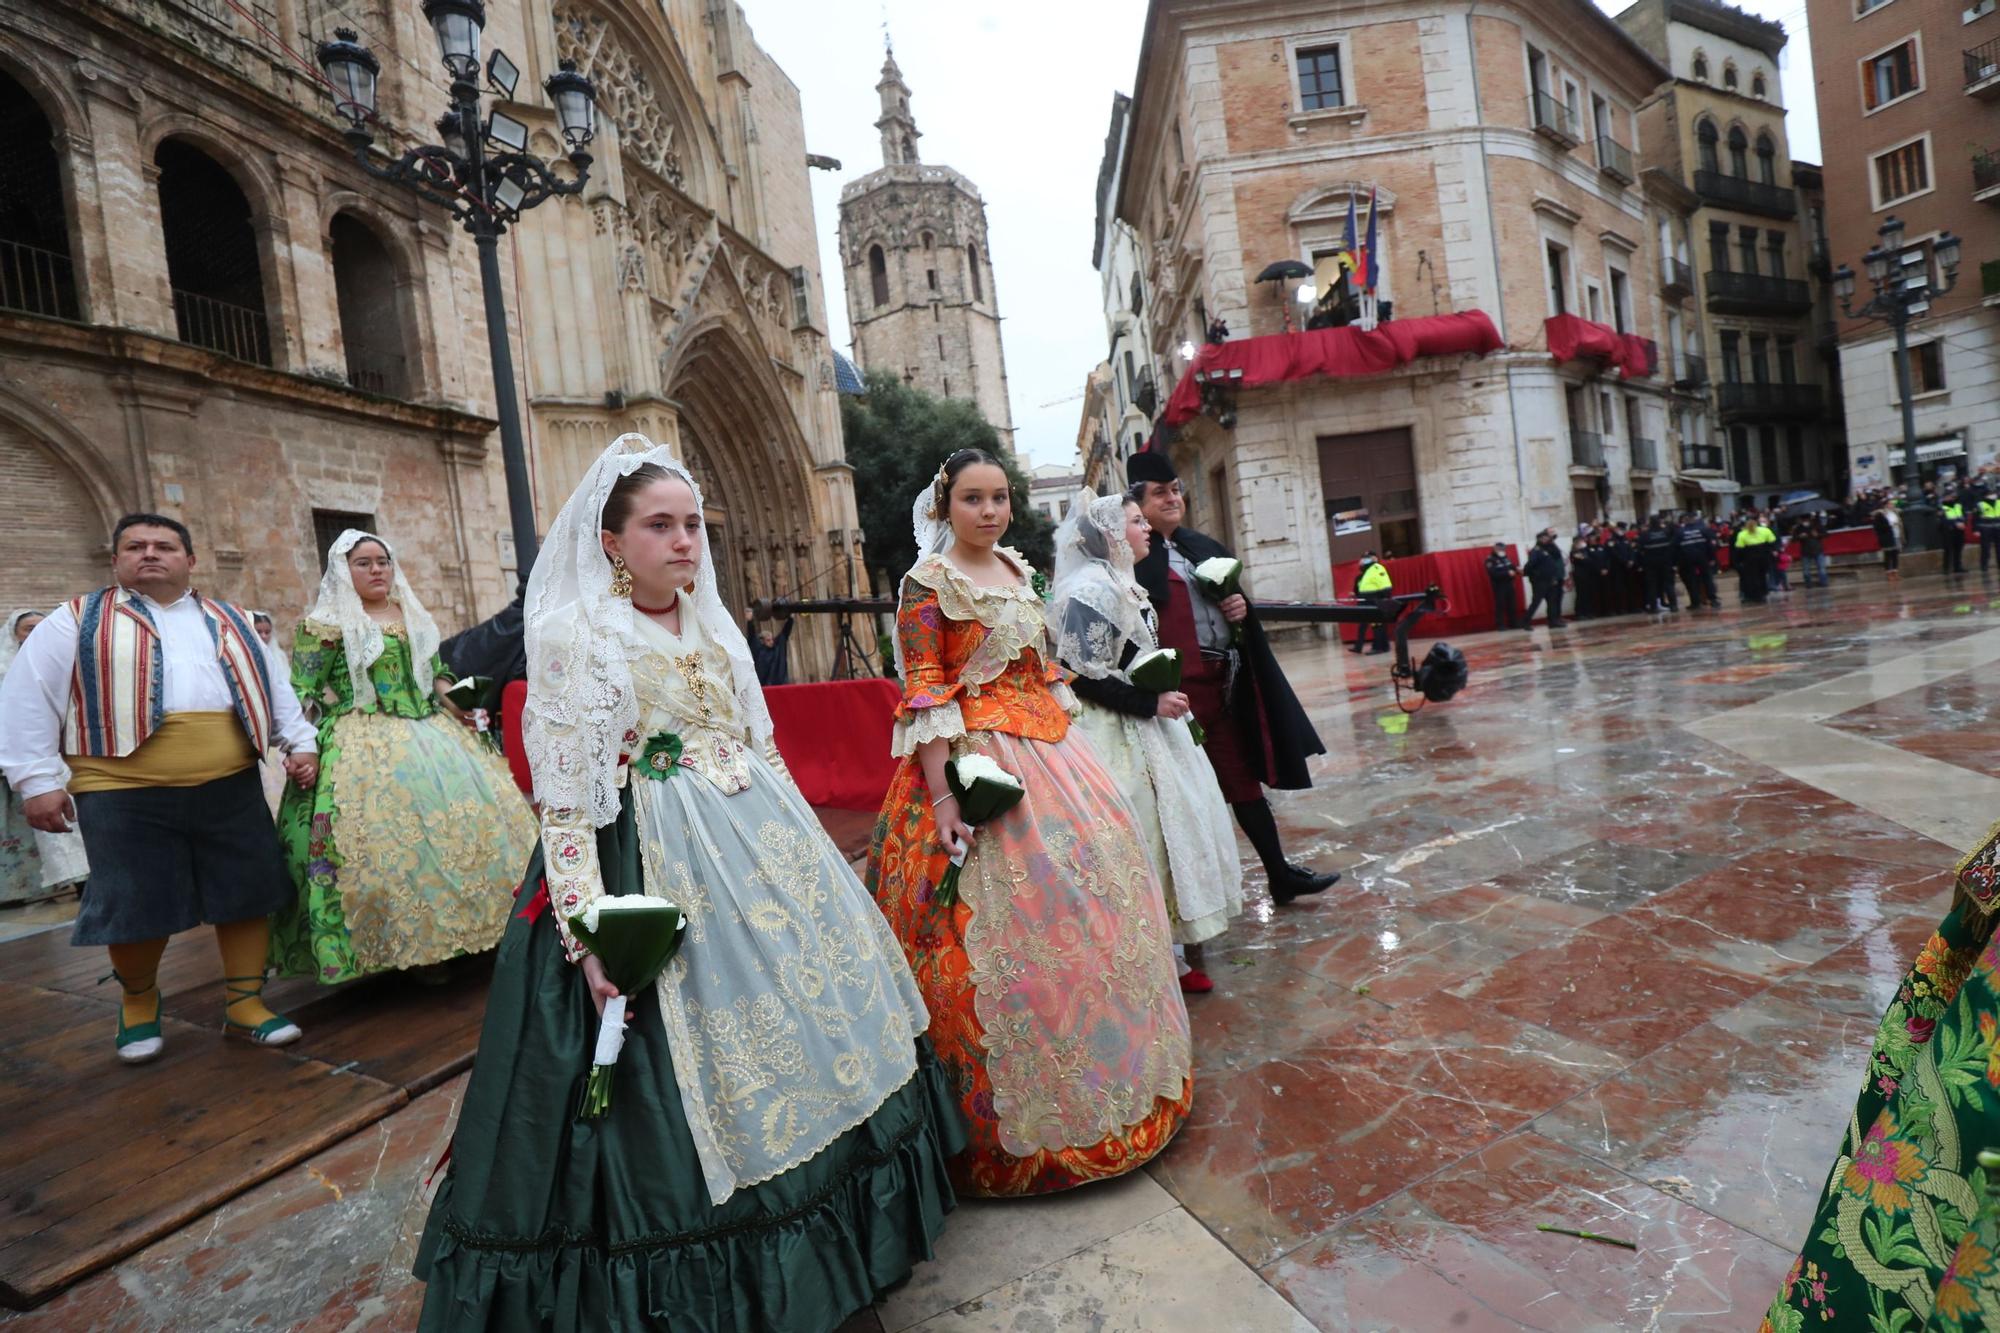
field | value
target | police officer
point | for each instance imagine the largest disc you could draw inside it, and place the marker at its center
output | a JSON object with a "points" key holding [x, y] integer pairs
{"points": [[1373, 585], [1656, 561], [1953, 514], [1544, 570], [1583, 575], [1695, 553], [1500, 574], [1988, 525], [1755, 546]]}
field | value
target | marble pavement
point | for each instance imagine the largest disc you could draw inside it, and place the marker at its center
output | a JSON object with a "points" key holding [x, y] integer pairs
{"points": [[1615, 931]]}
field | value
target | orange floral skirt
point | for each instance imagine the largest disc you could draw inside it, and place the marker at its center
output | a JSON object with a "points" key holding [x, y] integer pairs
{"points": [[906, 861]]}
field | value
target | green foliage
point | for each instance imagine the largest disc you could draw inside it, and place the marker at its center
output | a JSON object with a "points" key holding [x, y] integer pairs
{"points": [[897, 437]]}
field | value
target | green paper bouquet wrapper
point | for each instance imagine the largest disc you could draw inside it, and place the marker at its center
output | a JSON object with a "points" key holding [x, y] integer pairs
{"points": [[984, 791], [471, 692], [1158, 672], [633, 937]]}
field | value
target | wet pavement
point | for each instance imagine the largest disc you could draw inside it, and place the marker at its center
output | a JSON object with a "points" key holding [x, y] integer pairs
{"points": [[1615, 931]]}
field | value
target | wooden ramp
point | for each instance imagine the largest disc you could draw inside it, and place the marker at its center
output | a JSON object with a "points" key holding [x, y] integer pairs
{"points": [[99, 1160]]}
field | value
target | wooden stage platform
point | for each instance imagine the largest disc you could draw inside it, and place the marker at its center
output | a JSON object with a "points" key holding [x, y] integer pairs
{"points": [[100, 1159]]}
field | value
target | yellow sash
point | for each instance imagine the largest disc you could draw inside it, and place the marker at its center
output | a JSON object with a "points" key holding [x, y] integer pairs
{"points": [[186, 750]]}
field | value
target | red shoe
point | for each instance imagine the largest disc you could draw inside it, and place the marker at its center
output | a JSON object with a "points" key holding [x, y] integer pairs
{"points": [[1196, 982]]}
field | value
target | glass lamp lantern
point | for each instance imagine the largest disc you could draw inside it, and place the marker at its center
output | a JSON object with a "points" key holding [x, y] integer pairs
{"points": [[576, 105], [1843, 283], [457, 24], [1946, 250], [352, 70]]}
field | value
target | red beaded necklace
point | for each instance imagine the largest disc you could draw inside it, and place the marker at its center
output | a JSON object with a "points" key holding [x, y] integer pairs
{"points": [[654, 610]]}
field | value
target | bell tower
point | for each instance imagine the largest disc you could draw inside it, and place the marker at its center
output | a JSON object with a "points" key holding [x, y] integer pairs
{"points": [[898, 126]]}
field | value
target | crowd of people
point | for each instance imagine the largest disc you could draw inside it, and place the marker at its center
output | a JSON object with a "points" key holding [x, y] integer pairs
{"points": [[997, 1008]]}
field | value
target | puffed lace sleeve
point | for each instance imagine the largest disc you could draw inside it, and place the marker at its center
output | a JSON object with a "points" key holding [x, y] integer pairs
{"points": [[929, 710]]}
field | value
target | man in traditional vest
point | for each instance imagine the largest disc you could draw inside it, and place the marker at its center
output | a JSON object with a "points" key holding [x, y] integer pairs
{"points": [[138, 713], [1257, 735]]}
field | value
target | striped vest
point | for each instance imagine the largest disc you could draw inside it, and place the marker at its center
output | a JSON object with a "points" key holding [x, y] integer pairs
{"points": [[116, 694]]}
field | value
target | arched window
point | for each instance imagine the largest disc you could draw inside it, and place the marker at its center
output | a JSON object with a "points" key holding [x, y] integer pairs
{"points": [[930, 240], [35, 271], [1767, 160], [909, 149], [972, 267], [878, 276], [211, 244], [371, 325], [1757, 85], [1739, 151], [1729, 74], [1707, 139], [1701, 67]]}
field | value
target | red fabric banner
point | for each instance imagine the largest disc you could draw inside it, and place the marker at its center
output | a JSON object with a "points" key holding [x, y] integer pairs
{"points": [[1460, 575], [1343, 353], [1573, 338]]}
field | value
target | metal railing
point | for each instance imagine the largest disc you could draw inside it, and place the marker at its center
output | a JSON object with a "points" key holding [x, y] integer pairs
{"points": [[1982, 64], [1985, 170], [1746, 194], [1615, 159], [1553, 119], [1701, 457], [1754, 399], [1692, 372], [1676, 275], [1645, 454], [1756, 289], [222, 326], [36, 282], [1586, 448], [379, 374]]}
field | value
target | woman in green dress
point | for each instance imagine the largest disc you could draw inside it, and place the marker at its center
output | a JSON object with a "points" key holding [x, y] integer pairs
{"points": [[773, 1157], [404, 852], [1907, 1236]]}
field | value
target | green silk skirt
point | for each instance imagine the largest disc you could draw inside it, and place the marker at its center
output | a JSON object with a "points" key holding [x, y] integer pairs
{"points": [[542, 1223]]}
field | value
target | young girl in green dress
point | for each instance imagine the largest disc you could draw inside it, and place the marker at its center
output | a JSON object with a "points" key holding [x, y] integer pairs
{"points": [[774, 1153]]}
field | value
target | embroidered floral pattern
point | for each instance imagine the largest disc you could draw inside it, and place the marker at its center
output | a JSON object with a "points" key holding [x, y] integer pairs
{"points": [[1883, 1166]]}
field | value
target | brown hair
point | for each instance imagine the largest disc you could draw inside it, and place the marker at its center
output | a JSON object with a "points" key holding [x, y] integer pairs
{"points": [[625, 494], [948, 474]]}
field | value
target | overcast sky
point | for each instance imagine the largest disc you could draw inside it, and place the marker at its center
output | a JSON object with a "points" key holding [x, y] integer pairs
{"points": [[1017, 96]]}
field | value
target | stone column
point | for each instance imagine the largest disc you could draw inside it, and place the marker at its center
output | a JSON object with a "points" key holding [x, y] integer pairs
{"points": [[118, 194]]}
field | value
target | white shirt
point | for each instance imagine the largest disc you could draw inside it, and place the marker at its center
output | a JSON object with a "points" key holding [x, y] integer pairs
{"points": [[34, 696]]}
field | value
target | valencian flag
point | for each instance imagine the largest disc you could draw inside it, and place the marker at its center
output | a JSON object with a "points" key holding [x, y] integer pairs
{"points": [[1365, 263]]}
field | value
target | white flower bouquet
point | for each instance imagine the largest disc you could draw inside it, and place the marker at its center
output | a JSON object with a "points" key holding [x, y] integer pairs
{"points": [[984, 791], [1220, 577], [634, 937]]}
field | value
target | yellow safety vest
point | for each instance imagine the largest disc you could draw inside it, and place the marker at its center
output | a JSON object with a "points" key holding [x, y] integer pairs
{"points": [[1375, 579], [1755, 536], [1955, 512], [1989, 509]]}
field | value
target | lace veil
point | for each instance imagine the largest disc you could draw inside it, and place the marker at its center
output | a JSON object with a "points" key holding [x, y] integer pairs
{"points": [[7, 645], [361, 636], [1098, 607], [582, 642]]}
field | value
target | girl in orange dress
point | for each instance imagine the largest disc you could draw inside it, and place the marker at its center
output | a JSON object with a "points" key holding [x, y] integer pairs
{"points": [[1050, 981]]}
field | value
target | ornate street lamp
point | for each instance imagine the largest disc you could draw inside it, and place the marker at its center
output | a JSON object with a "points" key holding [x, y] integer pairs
{"points": [[481, 172], [1899, 289]]}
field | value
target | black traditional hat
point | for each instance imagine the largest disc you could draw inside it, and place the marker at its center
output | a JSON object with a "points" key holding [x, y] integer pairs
{"points": [[1150, 464]]}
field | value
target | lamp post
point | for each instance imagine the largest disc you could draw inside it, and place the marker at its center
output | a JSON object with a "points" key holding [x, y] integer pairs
{"points": [[1900, 281], [485, 176]]}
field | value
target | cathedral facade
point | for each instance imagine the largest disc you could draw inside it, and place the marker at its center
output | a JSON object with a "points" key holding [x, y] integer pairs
{"points": [[921, 299], [211, 311]]}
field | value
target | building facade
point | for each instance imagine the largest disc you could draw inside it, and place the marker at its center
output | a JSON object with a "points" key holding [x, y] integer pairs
{"points": [[1496, 143], [1131, 391], [1910, 90], [212, 311], [1718, 128], [921, 298]]}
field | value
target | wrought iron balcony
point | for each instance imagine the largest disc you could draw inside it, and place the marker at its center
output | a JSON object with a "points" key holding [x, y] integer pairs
{"points": [[1986, 174], [1553, 121], [1586, 448], [1750, 196], [1614, 159], [1692, 373], [220, 326], [1752, 293], [1701, 458], [1768, 400], [1645, 454], [1676, 277], [1982, 70], [36, 282]]}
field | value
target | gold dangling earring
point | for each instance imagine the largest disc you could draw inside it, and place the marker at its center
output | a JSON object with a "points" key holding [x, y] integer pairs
{"points": [[621, 577]]}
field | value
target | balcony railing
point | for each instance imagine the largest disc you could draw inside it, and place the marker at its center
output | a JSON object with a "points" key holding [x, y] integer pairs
{"points": [[1692, 373], [36, 282], [378, 374], [1701, 457], [1645, 454], [1586, 448], [221, 326], [1614, 159], [1676, 277], [1553, 121], [1768, 400], [1755, 291], [1986, 174], [1743, 193], [1982, 69]]}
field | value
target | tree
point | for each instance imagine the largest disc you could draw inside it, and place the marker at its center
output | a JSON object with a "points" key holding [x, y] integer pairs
{"points": [[897, 438]]}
